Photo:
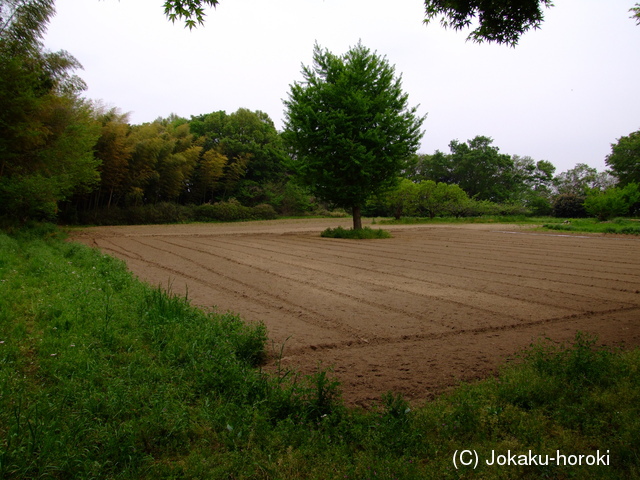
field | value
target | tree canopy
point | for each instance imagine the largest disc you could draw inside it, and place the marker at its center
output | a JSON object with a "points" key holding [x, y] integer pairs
{"points": [[501, 21], [251, 146], [349, 127], [498, 21], [636, 13], [582, 178], [191, 11], [48, 132], [23, 23], [624, 159], [477, 166]]}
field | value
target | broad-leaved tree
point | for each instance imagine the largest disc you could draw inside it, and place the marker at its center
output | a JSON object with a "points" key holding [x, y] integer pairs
{"points": [[350, 127], [624, 159]]}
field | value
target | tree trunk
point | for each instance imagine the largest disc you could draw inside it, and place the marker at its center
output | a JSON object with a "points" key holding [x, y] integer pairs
{"points": [[357, 219]]}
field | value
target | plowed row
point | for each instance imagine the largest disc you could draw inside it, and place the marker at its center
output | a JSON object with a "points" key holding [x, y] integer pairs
{"points": [[415, 314]]}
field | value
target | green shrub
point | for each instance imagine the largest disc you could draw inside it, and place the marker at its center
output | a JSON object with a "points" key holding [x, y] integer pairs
{"points": [[360, 234], [232, 210], [540, 206], [159, 213], [29, 197], [512, 209], [228, 211], [569, 206], [264, 211], [204, 213]]}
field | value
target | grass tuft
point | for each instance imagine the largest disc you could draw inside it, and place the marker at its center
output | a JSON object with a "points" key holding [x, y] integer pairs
{"points": [[360, 234], [591, 225]]}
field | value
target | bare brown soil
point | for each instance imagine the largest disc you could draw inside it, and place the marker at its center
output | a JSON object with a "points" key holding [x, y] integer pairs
{"points": [[415, 314]]}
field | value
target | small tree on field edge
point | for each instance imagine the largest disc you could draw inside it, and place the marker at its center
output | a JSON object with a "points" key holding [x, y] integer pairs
{"points": [[349, 127]]}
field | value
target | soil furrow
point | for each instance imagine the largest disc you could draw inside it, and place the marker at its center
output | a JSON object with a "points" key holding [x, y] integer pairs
{"points": [[415, 314], [531, 292]]}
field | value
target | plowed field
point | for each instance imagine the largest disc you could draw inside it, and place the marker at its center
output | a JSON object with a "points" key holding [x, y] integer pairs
{"points": [[416, 314]]}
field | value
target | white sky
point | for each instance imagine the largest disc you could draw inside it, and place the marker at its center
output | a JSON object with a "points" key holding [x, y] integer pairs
{"points": [[564, 94]]}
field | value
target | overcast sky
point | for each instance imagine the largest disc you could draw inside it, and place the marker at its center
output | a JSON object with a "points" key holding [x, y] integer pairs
{"points": [[564, 94]]}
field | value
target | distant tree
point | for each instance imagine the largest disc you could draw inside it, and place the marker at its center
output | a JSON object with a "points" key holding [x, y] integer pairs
{"points": [[402, 200], [426, 198], [624, 159], [437, 199], [253, 134], [163, 160], [581, 179], [613, 202], [251, 145], [437, 167], [535, 177], [478, 168], [113, 149], [535, 184], [349, 127], [150, 146], [208, 172]]}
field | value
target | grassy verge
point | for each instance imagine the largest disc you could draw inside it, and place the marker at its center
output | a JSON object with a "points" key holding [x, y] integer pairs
{"points": [[517, 219], [617, 226], [102, 376]]}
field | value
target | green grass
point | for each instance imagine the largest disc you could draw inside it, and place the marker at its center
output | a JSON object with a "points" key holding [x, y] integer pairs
{"points": [[517, 219], [102, 376], [587, 225], [616, 226], [359, 234]]}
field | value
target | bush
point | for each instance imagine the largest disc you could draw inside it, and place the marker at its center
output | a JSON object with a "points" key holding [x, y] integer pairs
{"points": [[160, 213], [360, 234], [569, 206], [264, 211], [29, 197], [231, 210], [540, 206], [204, 213], [165, 212], [228, 211]]}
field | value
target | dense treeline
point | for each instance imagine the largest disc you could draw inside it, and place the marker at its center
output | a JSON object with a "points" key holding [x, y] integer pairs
{"points": [[211, 158], [63, 157], [476, 179]]}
